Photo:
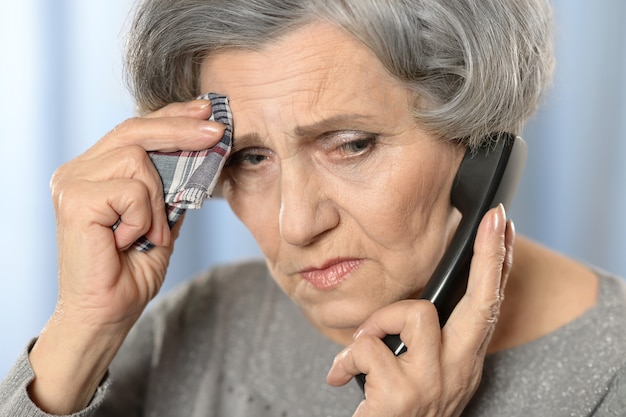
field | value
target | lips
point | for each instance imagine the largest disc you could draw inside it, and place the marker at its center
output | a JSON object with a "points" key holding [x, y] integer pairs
{"points": [[331, 274]]}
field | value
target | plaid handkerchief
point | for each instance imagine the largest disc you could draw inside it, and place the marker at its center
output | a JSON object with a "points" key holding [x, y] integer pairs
{"points": [[190, 177]]}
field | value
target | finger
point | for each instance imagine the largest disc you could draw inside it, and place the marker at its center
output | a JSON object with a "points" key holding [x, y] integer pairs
{"points": [[134, 163], [129, 162], [388, 377], [509, 241], [343, 368], [199, 108], [415, 321], [178, 126], [169, 235], [175, 231], [474, 318], [366, 355], [88, 210], [133, 206], [160, 255]]}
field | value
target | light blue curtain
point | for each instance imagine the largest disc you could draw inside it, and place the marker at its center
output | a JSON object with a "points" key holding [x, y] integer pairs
{"points": [[62, 89], [573, 195]]}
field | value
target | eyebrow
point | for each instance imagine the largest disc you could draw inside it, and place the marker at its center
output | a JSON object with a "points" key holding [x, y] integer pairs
{"points": [[336, 122], [340, 121]]}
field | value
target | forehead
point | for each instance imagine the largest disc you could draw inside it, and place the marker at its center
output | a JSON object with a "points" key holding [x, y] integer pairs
{"points": [[318, 68]]}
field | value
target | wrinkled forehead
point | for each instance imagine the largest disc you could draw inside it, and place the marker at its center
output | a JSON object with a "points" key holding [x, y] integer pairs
{"points": [[318, 69]]}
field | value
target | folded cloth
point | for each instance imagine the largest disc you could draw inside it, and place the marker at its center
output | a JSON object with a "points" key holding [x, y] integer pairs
{"points": [[190, 177]]}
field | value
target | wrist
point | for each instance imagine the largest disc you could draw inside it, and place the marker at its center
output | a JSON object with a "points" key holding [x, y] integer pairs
{"points": [[69, 361]]}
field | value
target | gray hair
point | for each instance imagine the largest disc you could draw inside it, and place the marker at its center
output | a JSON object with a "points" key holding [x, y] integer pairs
{"points": [[475, 66]]}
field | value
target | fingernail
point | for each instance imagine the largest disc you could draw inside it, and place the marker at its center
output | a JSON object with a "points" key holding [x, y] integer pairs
{"points": [[214, 128], [499, 221], [166, 235], [332, 366], [203, 104], [339, 357], [510, 237]]}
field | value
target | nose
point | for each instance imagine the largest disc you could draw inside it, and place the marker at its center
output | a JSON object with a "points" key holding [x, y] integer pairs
{"points": [[307, 211]]}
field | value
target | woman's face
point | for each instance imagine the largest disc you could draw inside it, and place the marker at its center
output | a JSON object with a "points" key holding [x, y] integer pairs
{"points": [[346, 196]]}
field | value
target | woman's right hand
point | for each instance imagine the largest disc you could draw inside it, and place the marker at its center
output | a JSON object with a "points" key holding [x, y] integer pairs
{"points": [[104, 283]]}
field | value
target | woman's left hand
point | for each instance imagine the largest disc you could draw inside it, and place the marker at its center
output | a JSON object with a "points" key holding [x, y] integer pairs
{"points": [[441, 369]]}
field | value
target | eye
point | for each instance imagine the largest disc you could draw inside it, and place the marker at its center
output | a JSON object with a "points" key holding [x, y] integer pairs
{"points": [[349, 143], [248, 157], [357, 146], [251, 168]]}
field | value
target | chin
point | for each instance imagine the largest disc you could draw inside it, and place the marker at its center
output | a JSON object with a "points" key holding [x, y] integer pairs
{"points": [[340, 315]]}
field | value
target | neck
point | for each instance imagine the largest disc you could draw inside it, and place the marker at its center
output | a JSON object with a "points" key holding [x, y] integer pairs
{"points": [[545, 291]]}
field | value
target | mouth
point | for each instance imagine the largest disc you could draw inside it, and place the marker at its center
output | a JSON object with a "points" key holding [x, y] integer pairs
{"points": [[331, 274]]}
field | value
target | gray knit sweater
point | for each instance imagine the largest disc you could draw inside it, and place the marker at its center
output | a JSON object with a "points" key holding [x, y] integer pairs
{"points": [[230, 343]]}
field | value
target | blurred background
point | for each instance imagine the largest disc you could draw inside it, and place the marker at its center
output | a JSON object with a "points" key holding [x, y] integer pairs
{"points": [[62, 89]]}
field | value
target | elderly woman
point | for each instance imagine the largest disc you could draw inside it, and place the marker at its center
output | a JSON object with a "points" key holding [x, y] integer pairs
{"points": [[351, 119]]}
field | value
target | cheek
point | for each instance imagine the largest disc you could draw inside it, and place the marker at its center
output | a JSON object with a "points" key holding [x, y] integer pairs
{"points": [[259, 214], [409, 204]]}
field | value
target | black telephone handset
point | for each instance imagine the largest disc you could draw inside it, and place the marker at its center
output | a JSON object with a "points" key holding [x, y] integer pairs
{"points": [[486, 178]]}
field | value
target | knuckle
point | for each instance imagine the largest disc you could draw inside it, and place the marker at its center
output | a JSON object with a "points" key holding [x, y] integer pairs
{"points": [[135, 155], [492, 262], [494, 311], [490, 311], [133, 160], [417, 402], [491, 255], [402, 402], [405, 400], [59, 181], [365, 345], [508, 260], [497, 255], [126, 126], [421, 312], [135, 192], [67, 201]]}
